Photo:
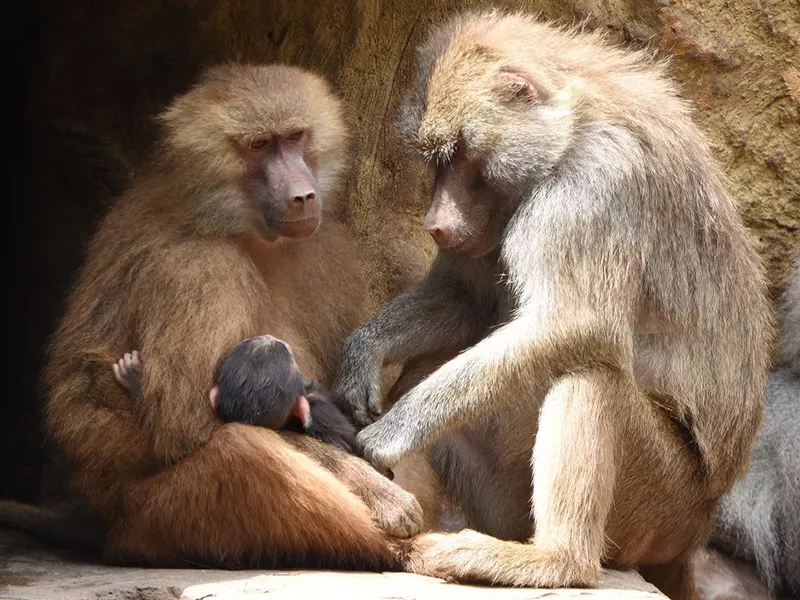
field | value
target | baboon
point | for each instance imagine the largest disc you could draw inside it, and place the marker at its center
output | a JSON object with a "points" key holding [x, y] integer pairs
{"points": [[602, 300], [757, 521], [720, 576], [790, 319], [259, 383], [220, 238]]}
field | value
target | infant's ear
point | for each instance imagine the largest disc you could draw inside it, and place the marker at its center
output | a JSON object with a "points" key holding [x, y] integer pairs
{"points": [[213, 395], [302, 410]]}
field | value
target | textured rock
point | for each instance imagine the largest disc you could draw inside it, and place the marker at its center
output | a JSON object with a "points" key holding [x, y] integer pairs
{"points": [[29, 570]]}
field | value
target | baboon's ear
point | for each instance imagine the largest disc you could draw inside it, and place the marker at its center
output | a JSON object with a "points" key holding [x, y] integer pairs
{"points": [[213, 396], [518, 86], [302, 410]]}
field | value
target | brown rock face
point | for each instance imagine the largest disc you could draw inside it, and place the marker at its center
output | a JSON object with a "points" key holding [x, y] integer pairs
{"points": [[98, 72]]}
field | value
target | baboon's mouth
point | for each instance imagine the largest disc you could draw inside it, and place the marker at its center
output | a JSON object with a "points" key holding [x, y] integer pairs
{"points": [[299, 228], [465, 246], [303, 220], [472, 247]]}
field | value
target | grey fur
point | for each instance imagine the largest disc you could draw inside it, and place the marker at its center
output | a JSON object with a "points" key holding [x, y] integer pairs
{"points": [[759, 520]]}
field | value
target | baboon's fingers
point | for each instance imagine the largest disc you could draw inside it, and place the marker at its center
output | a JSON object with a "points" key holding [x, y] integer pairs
{"points": [[469, 556], [375, 405], [401, 518], [382, 446], [115, 368], [360, 417], [362, 411]]}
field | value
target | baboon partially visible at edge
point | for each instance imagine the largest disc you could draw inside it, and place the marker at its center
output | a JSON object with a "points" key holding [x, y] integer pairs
{"points": [[596, 300], [758, 522], [221, 238]]}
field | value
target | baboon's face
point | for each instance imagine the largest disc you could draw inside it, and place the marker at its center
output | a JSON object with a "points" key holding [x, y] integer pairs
{"points": [[280, 184], [257, 147], [468, 211], [494, 133]]}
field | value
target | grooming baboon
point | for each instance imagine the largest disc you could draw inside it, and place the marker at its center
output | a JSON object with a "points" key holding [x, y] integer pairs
{"points": [[259, 383], [213, 244], [588, 246], [759, 519]]}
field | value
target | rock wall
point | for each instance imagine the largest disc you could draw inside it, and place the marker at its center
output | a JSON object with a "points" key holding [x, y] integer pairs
{"points": [[97, 72]]}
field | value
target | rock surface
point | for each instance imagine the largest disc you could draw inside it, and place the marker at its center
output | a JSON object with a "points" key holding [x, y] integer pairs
{"points": [[30, 570]]}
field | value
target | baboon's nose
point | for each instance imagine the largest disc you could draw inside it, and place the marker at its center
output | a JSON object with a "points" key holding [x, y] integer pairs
{"points": [[442, 234], [301, 197], [439, 235], [437, 224]]}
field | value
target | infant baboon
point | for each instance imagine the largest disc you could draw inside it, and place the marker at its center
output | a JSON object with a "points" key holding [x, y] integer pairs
{"points": [[597, 299], [259, 383]]}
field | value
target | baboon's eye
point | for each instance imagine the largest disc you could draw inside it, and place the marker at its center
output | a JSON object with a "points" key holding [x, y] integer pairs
{"points": [[258, 143], [520, 85], [295, 136], [479, 181]]}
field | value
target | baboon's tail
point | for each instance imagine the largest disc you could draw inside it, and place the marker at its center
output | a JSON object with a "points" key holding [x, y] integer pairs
{"points": [[62, 528]]}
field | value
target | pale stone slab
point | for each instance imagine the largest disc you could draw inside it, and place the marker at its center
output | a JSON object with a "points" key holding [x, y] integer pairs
{"points": [[31, 570]]}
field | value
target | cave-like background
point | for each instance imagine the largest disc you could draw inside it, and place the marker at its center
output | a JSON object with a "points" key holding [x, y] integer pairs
{"points": [[86, 78]]}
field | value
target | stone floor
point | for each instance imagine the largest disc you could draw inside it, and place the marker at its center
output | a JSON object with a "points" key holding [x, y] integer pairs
{"points": [[32, 570]]}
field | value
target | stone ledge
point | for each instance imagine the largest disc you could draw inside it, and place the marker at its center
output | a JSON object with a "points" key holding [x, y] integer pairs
{"points": [[31, 570]]}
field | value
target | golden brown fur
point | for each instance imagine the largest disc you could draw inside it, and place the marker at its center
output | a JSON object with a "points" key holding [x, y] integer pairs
{"points": [[604, 305], [183, 268]]}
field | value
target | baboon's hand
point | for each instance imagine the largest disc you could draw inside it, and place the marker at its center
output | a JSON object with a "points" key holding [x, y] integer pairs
{"points": [[358, 384], [387, 441], [398, 513]]}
